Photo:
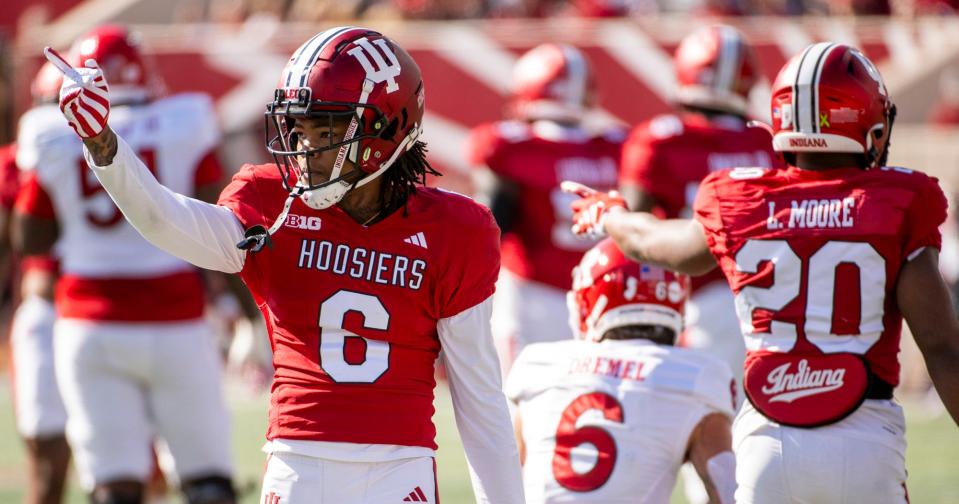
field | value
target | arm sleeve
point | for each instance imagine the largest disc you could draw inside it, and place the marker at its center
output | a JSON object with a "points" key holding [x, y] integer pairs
{"points": [[926, 215], [197, 232], [482, 415]]}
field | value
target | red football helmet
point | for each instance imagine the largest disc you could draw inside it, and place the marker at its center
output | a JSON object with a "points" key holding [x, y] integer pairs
{"points": [[45, 87], [831, 98], [611, 291], [117, 51], [716, 68], [346, 74], [553, 81]]}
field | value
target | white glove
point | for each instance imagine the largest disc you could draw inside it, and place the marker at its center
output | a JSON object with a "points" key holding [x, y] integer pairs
{"points": [[84, 95]]}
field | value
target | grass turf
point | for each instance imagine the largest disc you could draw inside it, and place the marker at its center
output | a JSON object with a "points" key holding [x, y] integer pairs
{"points": [[932, 458]]}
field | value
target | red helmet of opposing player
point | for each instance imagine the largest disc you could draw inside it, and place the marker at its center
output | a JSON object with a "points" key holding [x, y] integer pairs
{"points": [[831, 98], [553, 81], [45, 87], [117, 51], [716, 68], [611, 291], [353, 76]]}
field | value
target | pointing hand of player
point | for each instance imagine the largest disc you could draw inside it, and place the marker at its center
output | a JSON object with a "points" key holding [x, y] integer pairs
{"points": [[590, 211], [84, 95]]}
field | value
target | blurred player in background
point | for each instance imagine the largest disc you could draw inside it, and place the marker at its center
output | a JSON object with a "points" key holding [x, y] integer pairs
{"points": [[611, 415], [41, 416], [362, 273], [134, 358], [520, 163], [665, 159], [826, 257]]}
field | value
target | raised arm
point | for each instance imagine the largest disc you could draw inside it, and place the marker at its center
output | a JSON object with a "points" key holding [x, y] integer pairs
{"points": [[482, 416], [195, 231], [198, 232], [924, 301], [675, 244]]}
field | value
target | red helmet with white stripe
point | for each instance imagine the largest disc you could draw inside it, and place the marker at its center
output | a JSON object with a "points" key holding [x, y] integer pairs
{"points": [[357, 76], [553, 81], [831, 98], [611, 291], [716, 68], [118, 54]]}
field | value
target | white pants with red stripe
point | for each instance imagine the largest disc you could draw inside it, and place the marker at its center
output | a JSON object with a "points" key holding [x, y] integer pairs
{"points": [[39, 408], [859, 459], [125, 385], [300, 479]]}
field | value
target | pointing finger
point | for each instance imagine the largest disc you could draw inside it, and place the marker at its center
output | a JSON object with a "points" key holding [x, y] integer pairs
{"points": [[54, 57], [576, 188]]}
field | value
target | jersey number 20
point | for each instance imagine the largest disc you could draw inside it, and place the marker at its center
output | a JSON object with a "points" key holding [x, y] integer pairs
{"points": [[819, 274]]}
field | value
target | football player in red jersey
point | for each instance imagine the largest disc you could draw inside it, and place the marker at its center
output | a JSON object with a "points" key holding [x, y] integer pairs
{"points": [[362, 274], [826, 257], [134, 357], [622, 391], [520, 163], [666, 158], [40, 414]]}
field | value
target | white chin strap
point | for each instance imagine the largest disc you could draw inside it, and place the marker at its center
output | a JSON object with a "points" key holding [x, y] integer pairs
{"points": [[327, 196]]}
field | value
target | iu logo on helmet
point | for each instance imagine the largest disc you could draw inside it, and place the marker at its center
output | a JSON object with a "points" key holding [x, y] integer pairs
{"points": [[384, 72]]}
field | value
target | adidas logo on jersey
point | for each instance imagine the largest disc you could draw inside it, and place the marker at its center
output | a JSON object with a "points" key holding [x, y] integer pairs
{"points": [[416, 495], [784, 386], [418, 239]]}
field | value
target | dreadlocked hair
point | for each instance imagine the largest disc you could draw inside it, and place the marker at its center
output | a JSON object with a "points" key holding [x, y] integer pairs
{"points": [[658, 334], [408, 172]]}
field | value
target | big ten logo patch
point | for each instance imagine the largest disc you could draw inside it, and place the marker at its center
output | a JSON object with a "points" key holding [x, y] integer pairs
{"points": [[311, 223]]}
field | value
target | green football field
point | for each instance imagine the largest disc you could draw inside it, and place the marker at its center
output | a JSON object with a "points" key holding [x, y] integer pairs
{"points": [[932, 458]]}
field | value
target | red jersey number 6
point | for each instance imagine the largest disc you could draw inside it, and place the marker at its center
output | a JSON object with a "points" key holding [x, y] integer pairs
{"points": [[568, 437]]}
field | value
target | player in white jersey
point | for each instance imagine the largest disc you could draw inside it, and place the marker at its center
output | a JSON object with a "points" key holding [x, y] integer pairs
{"points": [[40, 415], [612, 415], [134, 358]]}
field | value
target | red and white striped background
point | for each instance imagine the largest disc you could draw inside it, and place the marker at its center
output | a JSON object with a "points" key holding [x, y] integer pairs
{"points": [[467, 65]]}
